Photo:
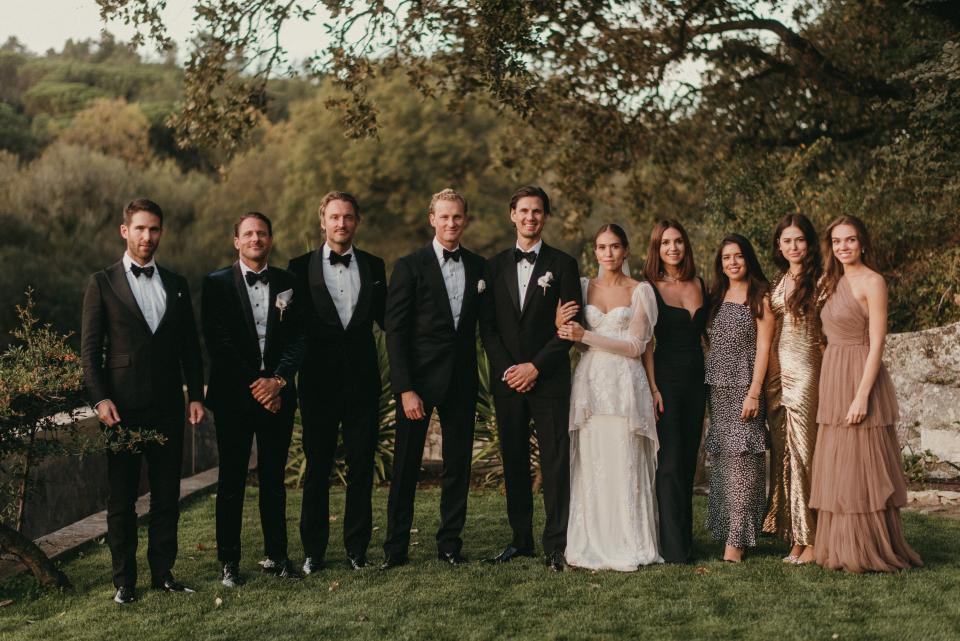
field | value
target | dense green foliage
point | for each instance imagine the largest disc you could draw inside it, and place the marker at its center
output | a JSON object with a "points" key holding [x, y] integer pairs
{"points": [[761, 599]]}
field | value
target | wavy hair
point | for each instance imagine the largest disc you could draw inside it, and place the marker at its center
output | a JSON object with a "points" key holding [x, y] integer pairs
{"points": [[833, 268], [803, 299], [653, 267], [757, 286]]}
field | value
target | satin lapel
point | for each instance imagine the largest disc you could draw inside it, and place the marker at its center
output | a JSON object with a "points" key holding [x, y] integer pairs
{"points": [[322, 300], [241, 288], [121, 287], [362, 307], [508, 270], [273, 314], [431, 267], [542, 266], [472, 272], [173, 296]]}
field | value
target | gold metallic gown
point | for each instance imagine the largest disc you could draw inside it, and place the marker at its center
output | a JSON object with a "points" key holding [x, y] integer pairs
{"points": [[791, 391]]}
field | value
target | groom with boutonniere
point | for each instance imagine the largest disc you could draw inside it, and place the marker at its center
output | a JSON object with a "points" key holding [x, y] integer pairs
{"points": [[434, 298], [530, 373], [250, 325]]}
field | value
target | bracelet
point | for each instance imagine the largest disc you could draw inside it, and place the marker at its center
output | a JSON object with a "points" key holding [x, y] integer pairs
{"points": [[754, 398]]}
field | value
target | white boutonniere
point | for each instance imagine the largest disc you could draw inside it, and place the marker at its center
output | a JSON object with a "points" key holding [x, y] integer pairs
{"points": [[544, 281], [283, 301], [481, 286]]}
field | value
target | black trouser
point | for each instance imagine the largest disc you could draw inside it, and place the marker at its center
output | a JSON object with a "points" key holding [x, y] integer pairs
{"points": [[321, 425], [550, 419], [235, 433], [457, 419], [123, 478], [679, 431]]}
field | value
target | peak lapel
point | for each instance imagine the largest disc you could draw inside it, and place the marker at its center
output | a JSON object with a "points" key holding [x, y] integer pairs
{"points": [[431, 269], [322, 300], [508, 270], [118, 281], [362, 308], [241, 288]]}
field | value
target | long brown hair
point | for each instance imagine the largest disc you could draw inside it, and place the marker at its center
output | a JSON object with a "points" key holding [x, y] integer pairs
{"points": [[833, 268], [653, 267], [757, 286], [803, 299]]}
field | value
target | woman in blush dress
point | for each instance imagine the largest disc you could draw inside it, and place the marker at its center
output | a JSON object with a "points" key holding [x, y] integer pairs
{"points": [[858, 486], [740, 330], [613, 436], [675, 369], [791, 386]]}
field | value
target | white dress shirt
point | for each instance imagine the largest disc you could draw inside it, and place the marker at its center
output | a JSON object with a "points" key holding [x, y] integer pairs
{"points": [[525, 271], [454, 279], [149, 292], [343, 283], [259, 295]]}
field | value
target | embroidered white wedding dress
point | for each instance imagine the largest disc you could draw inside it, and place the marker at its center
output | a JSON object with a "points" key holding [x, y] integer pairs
{"points": [[613, 441]]}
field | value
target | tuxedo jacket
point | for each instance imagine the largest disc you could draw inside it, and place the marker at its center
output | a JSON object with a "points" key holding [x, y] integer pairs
{"points": [[426, 351], [511, 336], [141, 372], [234, 348], [339, 359]]}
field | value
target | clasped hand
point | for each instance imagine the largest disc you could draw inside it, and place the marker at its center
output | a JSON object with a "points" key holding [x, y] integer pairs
{"points": [[521, 377], [266, 391]]}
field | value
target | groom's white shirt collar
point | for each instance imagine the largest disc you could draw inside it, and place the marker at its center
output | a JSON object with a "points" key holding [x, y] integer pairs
{"points": [[535, 248], [244, 268], [128, 261], [438, 249], [327, 249]]}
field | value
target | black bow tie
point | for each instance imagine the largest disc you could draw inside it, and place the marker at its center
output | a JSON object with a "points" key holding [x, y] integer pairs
{"points": [[455, 255], [519, 254], [146, 271], [253, 277], [340, 259]]}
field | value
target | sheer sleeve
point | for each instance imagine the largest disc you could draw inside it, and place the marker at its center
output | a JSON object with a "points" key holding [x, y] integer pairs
{"points": [[638, 333]]}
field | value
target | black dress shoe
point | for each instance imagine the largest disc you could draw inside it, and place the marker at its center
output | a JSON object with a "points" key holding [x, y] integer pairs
{"points": [[312, 565], [357, 561], [283, 569], [556, 562], [169, 584], [453, 558], [508, 554], [230, 575], [125, 594], [393, 562]]}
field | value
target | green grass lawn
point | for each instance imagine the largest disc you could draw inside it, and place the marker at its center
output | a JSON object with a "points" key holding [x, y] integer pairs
{"points": [[760, 599]]}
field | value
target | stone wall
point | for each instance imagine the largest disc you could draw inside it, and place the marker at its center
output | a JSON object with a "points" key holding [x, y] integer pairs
{"points": [[925, 367], [69, 488]]}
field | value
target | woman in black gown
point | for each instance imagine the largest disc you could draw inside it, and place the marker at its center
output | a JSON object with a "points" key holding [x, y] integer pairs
{"points": [[676, 376]]}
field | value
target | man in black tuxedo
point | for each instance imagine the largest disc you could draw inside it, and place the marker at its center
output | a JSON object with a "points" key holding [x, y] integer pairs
{"points": [[432, 306], [250, 324], [530, 373], [139, 345], [342, 291]]}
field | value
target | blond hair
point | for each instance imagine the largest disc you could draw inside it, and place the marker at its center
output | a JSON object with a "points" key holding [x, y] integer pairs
{"points": [[449, 194]]}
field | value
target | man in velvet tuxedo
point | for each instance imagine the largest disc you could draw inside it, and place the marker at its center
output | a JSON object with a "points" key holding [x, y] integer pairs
{"points": [[342, 291], [139, 345], [530, 373], [249, 317], [432, 305]]}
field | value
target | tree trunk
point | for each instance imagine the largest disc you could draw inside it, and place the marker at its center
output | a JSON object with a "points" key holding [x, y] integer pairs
{"points": [[30, 554]]}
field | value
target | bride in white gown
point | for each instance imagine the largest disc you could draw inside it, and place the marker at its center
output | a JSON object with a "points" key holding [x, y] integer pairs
{"points": [[613, 434]]}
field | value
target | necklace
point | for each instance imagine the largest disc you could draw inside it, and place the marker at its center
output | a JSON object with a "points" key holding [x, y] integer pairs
{"points": [[670, 279]]}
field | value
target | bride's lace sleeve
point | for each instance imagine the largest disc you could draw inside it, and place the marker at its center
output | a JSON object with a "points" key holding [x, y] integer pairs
{"points": [[638, 333]]}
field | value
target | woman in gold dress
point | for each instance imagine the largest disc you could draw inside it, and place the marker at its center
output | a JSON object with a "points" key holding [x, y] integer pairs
{"points": [[791, 385]]}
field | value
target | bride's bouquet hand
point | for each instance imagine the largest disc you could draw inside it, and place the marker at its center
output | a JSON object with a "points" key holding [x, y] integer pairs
{"points": [[565, 312]]}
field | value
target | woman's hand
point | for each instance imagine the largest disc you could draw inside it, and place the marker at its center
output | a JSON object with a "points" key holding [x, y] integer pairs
{"points": [[571, 331], [857, 411], [565, 312], [657, 403], [751, 407]]}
